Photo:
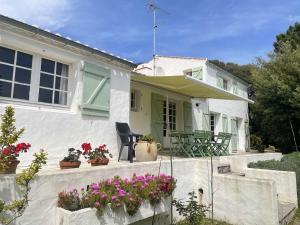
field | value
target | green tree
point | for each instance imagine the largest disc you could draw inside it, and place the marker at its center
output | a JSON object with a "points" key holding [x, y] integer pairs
{"points": [[290, 37], [277, 98]]}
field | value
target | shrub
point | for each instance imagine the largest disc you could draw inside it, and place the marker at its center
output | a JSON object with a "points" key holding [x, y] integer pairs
{"points": [[192, 211], [257, 143], [118, 192], [73, 155], [149, 138], [289, 162], [69, 200]]}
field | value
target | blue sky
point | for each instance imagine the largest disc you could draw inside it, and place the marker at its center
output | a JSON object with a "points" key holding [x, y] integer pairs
{"points": [[229, 30]]}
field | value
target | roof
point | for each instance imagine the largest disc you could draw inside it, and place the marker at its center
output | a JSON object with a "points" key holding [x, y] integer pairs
{"points": [[66, 40], [181, 57]]}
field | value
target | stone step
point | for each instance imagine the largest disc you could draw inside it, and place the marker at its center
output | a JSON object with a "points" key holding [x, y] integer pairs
{"points": [[224, 168], [286, 211]]}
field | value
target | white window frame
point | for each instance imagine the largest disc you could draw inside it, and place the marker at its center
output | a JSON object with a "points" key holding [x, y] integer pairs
{"points": [[35, 81], [212, 122], [15, 66], [225, 83], [166, 114], [54, 75], [135, 107]]}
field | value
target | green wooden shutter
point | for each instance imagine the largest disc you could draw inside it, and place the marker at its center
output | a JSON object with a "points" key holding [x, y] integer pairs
{"points": [[234, 138], [225, 123], [187, 114], [157, 120], [197, 73], [247, 135], [219, 82], [95, 90], [235, 88], [205, 121]]}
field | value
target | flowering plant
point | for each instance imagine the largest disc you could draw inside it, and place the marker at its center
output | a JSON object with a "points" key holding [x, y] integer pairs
{"points": [[118, 192], [9, 135], [12, 152], [99, 153]]}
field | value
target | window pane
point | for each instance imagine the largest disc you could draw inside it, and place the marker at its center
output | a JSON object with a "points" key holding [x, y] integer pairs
{"points": [[45, 95], [6, 72], [62, 69], [24, 59], [47, 66], [46, 80], [21, 91], [7, 55], [23, 75], [61, 83], [60, 98], [5, 89]]}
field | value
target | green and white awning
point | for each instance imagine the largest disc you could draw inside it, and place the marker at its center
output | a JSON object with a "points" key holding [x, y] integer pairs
{"points": [[189, 86]]}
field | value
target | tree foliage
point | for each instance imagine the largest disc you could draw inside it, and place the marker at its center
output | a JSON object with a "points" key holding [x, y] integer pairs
{"points": [[9, 133], [277, 98], [291, 37]]}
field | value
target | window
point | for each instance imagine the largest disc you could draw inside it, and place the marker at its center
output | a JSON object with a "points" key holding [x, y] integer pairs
{"points": [[134, 100], [212, 123], [225, 86], [169, 112], [15, 73], [53, 86]]}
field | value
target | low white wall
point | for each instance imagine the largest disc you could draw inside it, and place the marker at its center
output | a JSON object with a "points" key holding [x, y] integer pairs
{"points": [[248, 201], [239, 200], [285, 182], [239, 163]]}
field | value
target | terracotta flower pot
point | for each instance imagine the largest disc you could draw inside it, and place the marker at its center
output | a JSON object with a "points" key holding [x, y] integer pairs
{"points": [[69, 165], [145, 151], [10, 167], [99, 162]]}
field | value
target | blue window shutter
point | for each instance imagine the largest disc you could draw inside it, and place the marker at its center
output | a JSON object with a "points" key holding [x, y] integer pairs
{"points": [[95, 90]]}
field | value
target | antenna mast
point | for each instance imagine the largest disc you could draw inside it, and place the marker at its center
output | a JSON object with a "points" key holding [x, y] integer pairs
{"points": [[153, 7]]}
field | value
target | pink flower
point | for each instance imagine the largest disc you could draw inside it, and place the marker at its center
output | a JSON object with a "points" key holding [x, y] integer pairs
{"points": [[113, 197]]}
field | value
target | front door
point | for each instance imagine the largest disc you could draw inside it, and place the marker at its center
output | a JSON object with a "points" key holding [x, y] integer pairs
{"points": [[169, 117], [235, 136]]}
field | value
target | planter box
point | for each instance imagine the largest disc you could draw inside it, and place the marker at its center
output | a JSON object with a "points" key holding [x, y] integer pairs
{"points": [[90, 216]]}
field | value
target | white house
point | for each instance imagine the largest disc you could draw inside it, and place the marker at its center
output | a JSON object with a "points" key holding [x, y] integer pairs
{"points": [[217, 115], [66, 93]]}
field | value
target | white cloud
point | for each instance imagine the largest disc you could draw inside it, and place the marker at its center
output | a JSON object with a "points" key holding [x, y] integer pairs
{"points": [[50, 14]]}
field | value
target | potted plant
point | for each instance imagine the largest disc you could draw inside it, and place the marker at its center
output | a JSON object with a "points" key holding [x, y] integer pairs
{"points": [[9, 152], [146, 149], [72, 160], [97, 156]]}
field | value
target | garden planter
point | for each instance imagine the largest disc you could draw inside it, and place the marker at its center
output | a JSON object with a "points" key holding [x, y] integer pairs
{"points": [[145, 151], [11, 167], [99, 162], [69, 165], [109, 216]]}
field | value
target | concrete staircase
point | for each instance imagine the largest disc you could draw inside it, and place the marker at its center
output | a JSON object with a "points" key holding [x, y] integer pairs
{"points": [[286, 212]]}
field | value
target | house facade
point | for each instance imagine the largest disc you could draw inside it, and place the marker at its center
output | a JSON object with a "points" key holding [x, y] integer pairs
{"points": [[216, 115], [66, 93]]}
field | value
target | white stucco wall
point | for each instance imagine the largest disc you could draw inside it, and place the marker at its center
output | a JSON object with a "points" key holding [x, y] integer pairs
{"points": [[232, 109], [170, 65], [239, 200], [56, 128]]}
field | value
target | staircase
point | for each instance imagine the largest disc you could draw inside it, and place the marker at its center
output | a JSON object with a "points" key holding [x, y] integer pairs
{"points": [[286, 211]]}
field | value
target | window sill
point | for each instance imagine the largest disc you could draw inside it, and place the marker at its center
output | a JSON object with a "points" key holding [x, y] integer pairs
{"points": [[35, 105]]}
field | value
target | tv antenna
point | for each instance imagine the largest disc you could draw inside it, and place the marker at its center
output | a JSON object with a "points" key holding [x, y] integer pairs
{"points": [[153, 7]]}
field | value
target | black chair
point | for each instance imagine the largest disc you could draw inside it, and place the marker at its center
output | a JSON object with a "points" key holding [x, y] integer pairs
{"points": [[126, 137]]}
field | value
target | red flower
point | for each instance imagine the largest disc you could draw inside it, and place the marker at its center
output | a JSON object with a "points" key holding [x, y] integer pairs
{"points": [[86, 147], [22, 147], [102, 147], [6, 151]]}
